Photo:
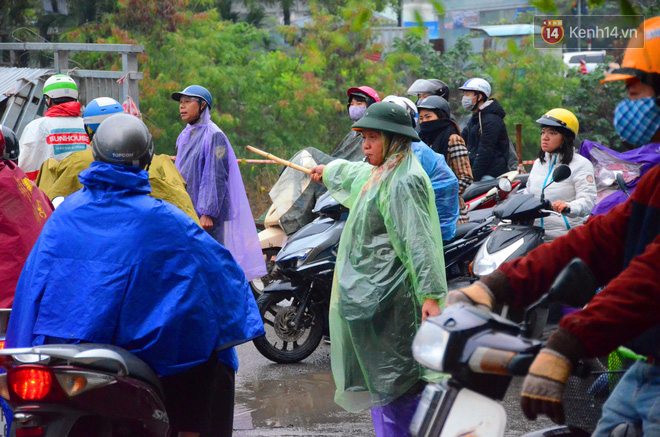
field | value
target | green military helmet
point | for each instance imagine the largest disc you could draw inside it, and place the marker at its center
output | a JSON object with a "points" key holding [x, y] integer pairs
{"points": [[387, 117]]}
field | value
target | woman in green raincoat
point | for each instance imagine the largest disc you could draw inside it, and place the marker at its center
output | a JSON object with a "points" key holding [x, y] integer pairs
{"points": [[390, 271]]}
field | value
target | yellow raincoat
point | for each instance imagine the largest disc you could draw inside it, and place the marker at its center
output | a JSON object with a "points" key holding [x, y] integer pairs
{"points": [[61, 179], [389, 261]]}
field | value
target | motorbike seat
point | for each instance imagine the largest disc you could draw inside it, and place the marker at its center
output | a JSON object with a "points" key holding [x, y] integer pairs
{"points": [[464, 228], [476, 189]]}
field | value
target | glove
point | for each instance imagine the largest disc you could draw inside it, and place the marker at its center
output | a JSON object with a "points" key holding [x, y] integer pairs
{"points": [[544, 386], [477, 294]]}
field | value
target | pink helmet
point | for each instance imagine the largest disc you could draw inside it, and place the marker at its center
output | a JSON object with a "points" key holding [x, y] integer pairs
{"points": [[365, 90]]}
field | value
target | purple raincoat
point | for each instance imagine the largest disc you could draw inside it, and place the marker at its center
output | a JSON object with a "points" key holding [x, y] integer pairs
{"points": [[208, 164], [633, 163]]}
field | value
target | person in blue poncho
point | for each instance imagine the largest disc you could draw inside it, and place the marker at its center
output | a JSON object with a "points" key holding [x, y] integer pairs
{"points": [[115, 266]]}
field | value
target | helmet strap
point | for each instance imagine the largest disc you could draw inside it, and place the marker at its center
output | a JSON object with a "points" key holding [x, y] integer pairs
{"points": [[202, 107]]}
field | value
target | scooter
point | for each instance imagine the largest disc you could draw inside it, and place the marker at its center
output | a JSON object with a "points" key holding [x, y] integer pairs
{"points": [[486, 194], [516, 236], [481, 351], [294, 307], [81, 390], [272, 238]]}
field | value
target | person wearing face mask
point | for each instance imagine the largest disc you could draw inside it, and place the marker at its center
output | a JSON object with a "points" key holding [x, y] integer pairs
{"points": [[622, 248], [442, 135], [578, 192], [208, 164], [485, 134], [390, 271], [359, 99]]}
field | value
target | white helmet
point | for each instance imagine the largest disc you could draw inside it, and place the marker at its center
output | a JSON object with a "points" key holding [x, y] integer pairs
{"points": [[60, 85], [406, 104], [477, 84]]}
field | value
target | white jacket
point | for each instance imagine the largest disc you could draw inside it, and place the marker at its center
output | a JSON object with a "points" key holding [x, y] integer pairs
{"points": [[578, 191], [50, 137]]}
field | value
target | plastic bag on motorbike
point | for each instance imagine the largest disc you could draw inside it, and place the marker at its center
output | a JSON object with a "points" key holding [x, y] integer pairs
{"points": [[633, 164]]}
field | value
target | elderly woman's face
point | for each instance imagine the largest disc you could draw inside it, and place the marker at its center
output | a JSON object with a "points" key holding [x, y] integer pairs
{"points": [[372, 146], [550, 140]]}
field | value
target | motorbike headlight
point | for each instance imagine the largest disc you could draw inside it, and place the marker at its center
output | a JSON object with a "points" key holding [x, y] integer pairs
{"points": [[430, 345], [484, 267]]}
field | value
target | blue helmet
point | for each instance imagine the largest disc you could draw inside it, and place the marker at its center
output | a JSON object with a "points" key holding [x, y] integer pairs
{"points": [[195, 91], [98, 110]]}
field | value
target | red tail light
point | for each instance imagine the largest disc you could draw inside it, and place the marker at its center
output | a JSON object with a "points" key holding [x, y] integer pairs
{"points": [[31, 383], [2, 344], [30, 432]]}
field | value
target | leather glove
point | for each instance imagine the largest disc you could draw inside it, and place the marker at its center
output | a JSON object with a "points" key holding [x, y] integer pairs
{"points": [[477, 294], [544, 386]]}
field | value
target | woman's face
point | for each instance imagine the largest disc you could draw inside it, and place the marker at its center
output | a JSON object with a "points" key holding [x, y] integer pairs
{"points": [[550, 140], [372, 146], [426, 115]]}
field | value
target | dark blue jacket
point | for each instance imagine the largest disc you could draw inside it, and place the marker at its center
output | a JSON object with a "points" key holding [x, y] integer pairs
{"points": [[115, 266]]}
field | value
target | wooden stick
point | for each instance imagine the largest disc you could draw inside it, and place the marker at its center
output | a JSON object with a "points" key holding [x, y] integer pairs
{"points": [[280, 160]]}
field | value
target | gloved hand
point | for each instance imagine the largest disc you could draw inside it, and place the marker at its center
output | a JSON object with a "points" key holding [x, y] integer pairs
{"points": [[544, 386], [477, 294]]}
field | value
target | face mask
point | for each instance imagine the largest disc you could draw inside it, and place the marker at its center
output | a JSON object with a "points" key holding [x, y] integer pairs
{"points": [[637, 121], [356, 112], [467, 103], [430, 129]]}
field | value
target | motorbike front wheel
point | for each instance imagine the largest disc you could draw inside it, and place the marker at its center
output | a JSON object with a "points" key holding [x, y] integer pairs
{"points": [[283, 343]]}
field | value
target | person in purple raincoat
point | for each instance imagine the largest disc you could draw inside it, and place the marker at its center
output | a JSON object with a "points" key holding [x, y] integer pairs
{"points": [[208, 164]]}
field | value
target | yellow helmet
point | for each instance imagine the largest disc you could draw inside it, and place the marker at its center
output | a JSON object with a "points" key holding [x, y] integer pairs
{"points": [[561, 118]]}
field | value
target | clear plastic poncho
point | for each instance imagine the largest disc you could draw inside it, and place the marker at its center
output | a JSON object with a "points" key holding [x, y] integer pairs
{"points": [[389, 260], [208, 164]]}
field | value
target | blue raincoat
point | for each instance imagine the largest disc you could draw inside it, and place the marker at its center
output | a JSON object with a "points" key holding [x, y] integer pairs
{"points": [[115, 266], [445, 187]]}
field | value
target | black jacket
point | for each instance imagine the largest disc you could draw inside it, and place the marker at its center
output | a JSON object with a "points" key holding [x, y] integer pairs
{"points": [[487, 141]]}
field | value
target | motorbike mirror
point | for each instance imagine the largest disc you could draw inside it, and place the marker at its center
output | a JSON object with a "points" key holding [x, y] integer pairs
{"points": [[622, 183], [561, 173], [504, 184]]}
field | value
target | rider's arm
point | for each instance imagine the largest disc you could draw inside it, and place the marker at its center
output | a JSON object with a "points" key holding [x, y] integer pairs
{"points": [[459, 162]]}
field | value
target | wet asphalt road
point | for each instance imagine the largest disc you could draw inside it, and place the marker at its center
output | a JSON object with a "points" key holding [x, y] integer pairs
{"points": [[297, 400]]}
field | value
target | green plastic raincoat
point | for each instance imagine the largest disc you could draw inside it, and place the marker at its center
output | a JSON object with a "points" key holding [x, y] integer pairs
{"points": [[389, 261]]}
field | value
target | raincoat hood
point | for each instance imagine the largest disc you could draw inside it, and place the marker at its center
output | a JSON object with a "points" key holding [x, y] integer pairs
{"points": [[102, 177], [492, 106], [208, 164]]}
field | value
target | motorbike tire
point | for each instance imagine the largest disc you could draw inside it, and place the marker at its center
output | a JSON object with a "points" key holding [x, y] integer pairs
{"points": [[280, 344], [258, 285]]}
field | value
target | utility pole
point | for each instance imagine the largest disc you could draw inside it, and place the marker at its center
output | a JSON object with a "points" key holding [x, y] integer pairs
{"points": [[579, 46]]}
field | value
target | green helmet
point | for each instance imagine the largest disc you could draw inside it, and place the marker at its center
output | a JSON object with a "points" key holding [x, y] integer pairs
{"points": [[387, 117]]}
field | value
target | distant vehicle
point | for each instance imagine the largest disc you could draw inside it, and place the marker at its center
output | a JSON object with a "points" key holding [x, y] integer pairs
{"points": [[591, 58]]}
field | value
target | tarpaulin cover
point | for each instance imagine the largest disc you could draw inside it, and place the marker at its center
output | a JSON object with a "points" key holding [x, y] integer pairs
{"points": [[23, 212], [632, 164], [208, 164], [61, 179], [113, 265], [294, 195], [445, 187], [350, 148], [389, 260]]}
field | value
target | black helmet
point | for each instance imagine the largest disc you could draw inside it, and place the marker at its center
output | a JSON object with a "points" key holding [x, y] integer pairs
{"points": [[435, 103], [123, 139], [435, 87], [11, 149]]}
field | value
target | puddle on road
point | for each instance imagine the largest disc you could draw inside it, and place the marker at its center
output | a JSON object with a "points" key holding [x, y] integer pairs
{"points": [[300, 401]]}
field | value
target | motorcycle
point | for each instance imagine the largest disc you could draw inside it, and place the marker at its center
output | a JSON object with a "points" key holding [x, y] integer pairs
{"points": [[481, 351], [516, 236], [294, 307], [486, 193], [81, 390]]}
